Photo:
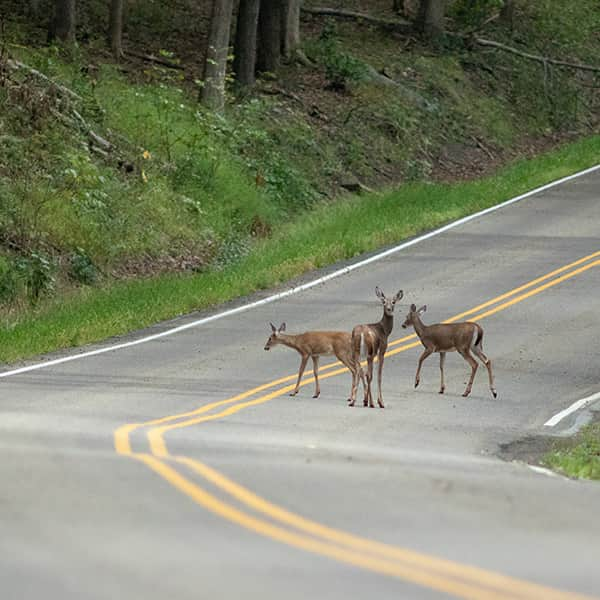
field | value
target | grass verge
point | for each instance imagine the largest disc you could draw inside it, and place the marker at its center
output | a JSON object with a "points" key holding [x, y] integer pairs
{"points": [[337, 231], [581, 458]]}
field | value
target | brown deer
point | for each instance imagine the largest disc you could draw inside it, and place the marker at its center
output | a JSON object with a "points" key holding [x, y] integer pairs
{"points": [[463, 337], [314, 344], [371, 340]]}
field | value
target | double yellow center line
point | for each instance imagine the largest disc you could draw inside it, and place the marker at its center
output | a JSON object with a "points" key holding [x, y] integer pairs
{"points": [[279, 524]]}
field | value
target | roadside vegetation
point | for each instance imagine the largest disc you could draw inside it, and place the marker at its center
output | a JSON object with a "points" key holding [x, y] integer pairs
{"points": [[123, 201], [579, 456]]}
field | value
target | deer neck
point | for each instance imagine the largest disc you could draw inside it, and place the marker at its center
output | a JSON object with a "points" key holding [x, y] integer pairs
{"points": [[420, 327], [288, 340], [387, 324]]}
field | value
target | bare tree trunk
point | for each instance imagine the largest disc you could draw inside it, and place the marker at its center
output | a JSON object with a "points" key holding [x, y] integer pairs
{"points": [[507, 13], [290, 37], [62, 25], [212, 94], [116, 28], [430, 20], [34, 8], [269, 34], [244, 62]]}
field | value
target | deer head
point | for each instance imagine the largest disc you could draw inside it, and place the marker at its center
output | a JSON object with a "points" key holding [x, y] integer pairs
{"points": [[388, 303], [413, 313], [273, 338]]}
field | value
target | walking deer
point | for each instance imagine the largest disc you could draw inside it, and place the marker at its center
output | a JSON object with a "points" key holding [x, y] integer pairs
{"points": [[371, 340], [463, 337], [314, 344]]}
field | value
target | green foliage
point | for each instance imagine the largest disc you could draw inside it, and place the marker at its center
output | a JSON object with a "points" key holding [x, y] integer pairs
{"points": [[581, 458], [341, 68], [10, 284], [38, 274], [81, 268], [471, 14]]}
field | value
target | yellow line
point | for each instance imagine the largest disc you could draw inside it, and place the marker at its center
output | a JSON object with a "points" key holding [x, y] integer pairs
{"points": [[414, 559], [407, 572], [413, 566]]}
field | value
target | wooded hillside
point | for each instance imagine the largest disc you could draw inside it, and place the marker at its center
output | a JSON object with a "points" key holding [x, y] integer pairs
{"points": [[143, 137]]}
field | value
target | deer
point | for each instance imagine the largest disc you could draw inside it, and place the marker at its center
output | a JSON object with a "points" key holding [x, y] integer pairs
{"points": [[464, 338], [315, 344], [370, 341]]}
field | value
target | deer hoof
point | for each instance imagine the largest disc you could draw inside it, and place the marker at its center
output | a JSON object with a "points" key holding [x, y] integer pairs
{"points": [[293, 393], [416, 384], [442, 390], [494, 393], [351, 403], [466, 393]]}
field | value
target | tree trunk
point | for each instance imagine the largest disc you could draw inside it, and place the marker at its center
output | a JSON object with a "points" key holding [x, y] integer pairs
{"points": [[62, 25], [269, 36], [430, 20], [290, 23], [244, 62], [116, 28], [212, 94], [398, 6], [508, 12]]}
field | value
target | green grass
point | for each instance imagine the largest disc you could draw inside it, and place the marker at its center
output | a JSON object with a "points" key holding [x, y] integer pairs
{"points": [[332, 232], [581, 458]]}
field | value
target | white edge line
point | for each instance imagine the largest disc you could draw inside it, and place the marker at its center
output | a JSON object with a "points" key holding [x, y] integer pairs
{"points": [[300, 288], [544, 471], [558, 417]]}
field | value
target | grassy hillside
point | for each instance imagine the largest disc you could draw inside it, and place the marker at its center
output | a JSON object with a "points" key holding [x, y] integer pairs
{"points": [[184, 202]]}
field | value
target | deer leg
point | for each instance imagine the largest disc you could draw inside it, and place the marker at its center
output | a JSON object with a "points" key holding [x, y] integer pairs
{"points": [[442, 360], [423, 356], [469, 358], [488, 363], [354, 367], [368, 399], [315, 360], [379, 374], [300, 373]]}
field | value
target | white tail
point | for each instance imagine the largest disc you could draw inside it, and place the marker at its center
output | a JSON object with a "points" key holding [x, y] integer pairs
{"points": [[463, 337], [314, 344], [370, 341]]}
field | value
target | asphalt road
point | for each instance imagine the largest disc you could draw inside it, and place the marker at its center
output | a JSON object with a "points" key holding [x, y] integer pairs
{"points": [[255, 494]]}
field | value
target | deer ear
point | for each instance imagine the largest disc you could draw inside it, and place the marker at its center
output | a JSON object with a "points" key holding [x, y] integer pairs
{"points": [[422, 309], [398, 296], [282, 327], [273, 328], [413, 308], [379, 293]]}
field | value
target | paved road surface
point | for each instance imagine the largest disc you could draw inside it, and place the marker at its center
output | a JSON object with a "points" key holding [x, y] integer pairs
{"points": [[259, 495]]}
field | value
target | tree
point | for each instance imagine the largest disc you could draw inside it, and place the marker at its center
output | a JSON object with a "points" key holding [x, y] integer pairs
{"points": [[62, 25], [430, 20], [212, 94], [115, 28], [269, 36], [290, 25], [508, 12], [398, 6], [244, 61]]}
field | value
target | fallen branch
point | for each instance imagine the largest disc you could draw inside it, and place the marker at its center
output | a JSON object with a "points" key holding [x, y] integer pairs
{"points": [[155, 59], [16, 64], [408, 93], [542, 59], [397, 25]]}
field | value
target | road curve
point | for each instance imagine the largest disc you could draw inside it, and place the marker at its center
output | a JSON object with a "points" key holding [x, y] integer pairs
{"points": [[180, 468]]}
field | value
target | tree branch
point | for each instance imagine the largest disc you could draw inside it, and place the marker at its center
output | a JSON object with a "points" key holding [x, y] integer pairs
{"points": [[398, 25], [16, 64], [537, 57]]}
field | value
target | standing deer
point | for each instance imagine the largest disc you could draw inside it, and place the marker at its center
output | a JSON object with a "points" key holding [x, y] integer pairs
{"points": [[447, 337], [314, 344], [371, 340]]}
